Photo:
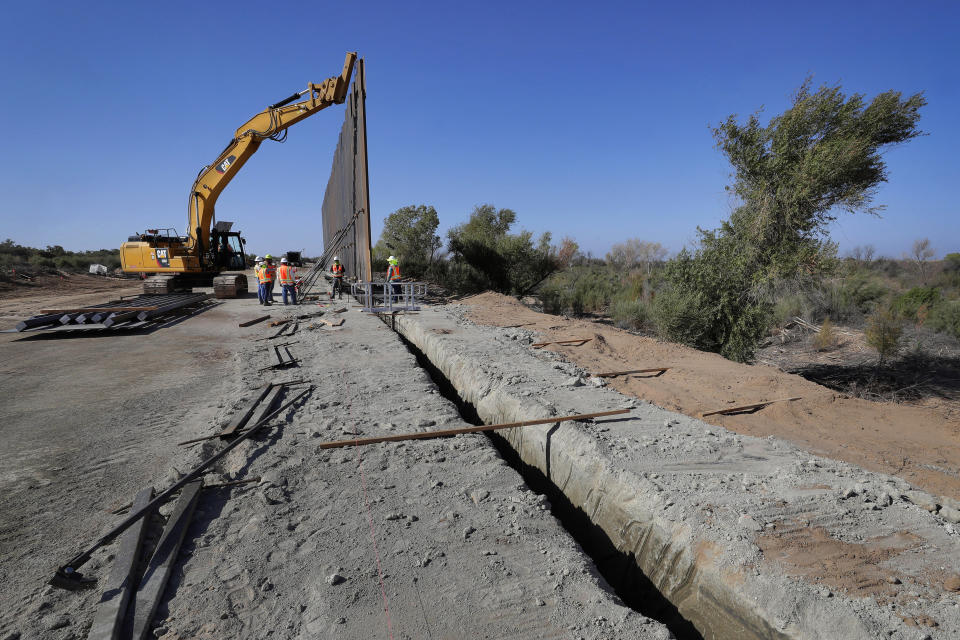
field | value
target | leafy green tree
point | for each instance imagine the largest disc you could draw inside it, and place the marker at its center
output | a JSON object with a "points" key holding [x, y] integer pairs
{"points": [[485, 255], [792, 177], [410, 233]]}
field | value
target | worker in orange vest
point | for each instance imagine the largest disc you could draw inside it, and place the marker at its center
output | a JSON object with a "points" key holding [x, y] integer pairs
{"points": [[337, 270], [285, 274], [393, 275], [263, 281], [269, 270]]}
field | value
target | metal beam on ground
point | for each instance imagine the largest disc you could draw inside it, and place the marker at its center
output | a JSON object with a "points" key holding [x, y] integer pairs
{"points": [[114, 601], [161, 565]]}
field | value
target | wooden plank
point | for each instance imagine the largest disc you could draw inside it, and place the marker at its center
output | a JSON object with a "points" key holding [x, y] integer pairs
{"points": [[423, 435], [514, 326], [241, 418], [747, 407], [613, 374], [332, 323], [277, 323], [254, 321], [118, 587], [161, 564]]}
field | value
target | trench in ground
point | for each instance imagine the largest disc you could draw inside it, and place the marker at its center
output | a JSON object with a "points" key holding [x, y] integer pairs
{"points": [[619, 569]]}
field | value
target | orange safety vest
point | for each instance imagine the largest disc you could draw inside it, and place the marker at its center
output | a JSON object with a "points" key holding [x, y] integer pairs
{"points": [[337, 270], [267, 272], [285, 272], [393, 273]]}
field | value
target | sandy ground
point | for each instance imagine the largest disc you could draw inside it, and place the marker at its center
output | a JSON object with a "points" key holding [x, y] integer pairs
{"points": [[918, 443], [428, 539]]}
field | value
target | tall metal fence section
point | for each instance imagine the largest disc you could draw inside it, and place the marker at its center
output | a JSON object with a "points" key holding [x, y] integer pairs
{"points": [[346, 203]]}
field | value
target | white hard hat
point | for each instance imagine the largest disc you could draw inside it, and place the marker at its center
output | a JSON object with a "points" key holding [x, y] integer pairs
{"points": [[282, 260], [390, 258], [258, 258], [336, 259]]}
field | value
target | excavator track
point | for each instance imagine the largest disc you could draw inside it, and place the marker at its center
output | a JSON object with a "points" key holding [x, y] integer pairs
{"points": [[230, 285]]}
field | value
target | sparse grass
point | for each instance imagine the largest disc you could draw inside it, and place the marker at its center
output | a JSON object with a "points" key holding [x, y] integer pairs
{"points": [[827, 337]]}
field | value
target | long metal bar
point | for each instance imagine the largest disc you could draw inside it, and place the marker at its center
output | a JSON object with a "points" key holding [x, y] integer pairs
{"points": [[146, 315], [423, 435], [67, 577]]}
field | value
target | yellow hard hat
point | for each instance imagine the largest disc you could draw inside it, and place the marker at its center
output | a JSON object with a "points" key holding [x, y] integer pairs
{"points": [[268, 257]]}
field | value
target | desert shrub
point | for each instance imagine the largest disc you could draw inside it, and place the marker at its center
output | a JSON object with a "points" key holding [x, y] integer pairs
{"points": [[949, 277], [945, 318], [578, 290], [631, 313], [848, 299], [888, 267], [827, 337], [788, 306], [908, 304], [883, 333]]}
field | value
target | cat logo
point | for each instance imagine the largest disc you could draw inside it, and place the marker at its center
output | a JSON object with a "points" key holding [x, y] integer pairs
{"points": [[163, 257], [223, 166]]}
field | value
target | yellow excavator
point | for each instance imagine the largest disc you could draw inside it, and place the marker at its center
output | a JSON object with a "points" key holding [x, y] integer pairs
{"points": [[211, 249]]}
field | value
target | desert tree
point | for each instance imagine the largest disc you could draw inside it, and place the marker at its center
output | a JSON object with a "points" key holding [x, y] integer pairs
{"points": [[791, 178], [920, 253], [410, 233]]}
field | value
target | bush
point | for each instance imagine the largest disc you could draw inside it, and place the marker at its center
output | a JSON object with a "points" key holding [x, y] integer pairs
{"points": [[631, 313], [789, 306], [827, 337], [844, 300], [945, 318], [909, 304], [883, 333], [579, 290]]}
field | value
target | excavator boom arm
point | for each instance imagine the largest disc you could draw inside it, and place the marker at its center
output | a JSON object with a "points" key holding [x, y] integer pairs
{"points": [[270, 123]]}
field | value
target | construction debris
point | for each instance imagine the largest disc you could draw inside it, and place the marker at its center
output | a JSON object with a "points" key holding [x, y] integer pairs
{"points": [[573, 342], [254, 321], [67, 576], [161, 564], [746, 407], [119, 585], [614, 374]]}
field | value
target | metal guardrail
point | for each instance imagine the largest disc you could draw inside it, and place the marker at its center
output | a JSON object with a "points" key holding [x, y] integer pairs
{"points": [[387, 297]]}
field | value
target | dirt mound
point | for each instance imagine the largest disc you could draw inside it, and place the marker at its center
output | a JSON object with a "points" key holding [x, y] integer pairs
{"points": [[918, 443]]}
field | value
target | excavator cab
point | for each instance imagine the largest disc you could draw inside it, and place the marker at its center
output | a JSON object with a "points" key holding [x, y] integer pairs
{"points": [[226, 248]]}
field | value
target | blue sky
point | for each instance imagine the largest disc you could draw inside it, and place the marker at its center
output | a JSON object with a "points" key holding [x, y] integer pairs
{"points": [[588, 119]]}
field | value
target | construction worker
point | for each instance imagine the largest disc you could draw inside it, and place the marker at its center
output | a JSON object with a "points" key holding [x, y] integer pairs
{"points": [[263, 281], [337, 270], [393, 275], [285, 274], [257, 265], [270, 271]]}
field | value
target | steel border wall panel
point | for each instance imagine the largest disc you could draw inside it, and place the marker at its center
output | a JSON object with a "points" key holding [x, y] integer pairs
{"points": [[346, 202]]}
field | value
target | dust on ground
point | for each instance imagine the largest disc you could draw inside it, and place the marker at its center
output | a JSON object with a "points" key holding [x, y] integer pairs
{"points": [[919, 443]]}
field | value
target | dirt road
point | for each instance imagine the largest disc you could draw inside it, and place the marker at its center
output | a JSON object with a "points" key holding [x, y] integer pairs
{"points": [[919, 444]]}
